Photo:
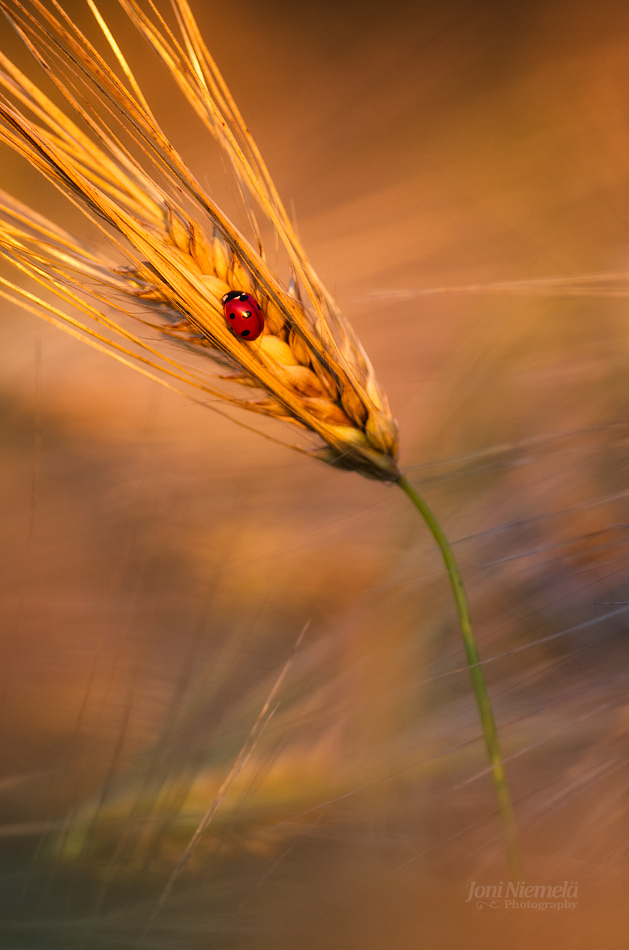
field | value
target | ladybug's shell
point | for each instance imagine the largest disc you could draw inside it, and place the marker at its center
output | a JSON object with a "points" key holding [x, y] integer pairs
{"points": [[244, 316]]}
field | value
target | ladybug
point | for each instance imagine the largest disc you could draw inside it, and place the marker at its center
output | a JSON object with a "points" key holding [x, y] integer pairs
{"points": [[243, 314]]}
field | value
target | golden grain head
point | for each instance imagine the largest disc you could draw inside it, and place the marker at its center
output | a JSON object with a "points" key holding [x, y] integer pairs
{"points": [[174, 253]]}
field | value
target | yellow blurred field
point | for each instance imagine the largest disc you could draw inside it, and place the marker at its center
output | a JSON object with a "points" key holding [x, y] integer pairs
{"points": [[158, 564]]}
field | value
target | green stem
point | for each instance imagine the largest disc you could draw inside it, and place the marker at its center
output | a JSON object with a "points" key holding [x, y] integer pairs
{"points": [[478, 680]]}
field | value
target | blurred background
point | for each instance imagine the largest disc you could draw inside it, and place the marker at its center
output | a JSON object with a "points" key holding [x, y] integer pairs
{"points": [[158, 564]]}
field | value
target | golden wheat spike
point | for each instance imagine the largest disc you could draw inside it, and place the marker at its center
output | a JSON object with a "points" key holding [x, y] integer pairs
{"points": [[177, 255], [170, 260]]}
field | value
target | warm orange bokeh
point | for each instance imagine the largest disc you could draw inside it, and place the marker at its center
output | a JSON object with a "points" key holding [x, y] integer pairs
{"points": [[159, 563]]}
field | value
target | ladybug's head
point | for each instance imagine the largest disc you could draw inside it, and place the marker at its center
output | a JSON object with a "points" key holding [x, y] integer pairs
{"points": [[233, 295]]}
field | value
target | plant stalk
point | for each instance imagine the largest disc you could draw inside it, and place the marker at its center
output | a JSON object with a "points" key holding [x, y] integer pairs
{"points": [[478, 681]]}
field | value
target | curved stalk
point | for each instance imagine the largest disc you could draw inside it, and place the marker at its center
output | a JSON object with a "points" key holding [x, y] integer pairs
{"points": [[478, 680]]}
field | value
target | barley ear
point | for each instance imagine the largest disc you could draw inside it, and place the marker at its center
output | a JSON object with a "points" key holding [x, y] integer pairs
{"points": [[174, 254]]}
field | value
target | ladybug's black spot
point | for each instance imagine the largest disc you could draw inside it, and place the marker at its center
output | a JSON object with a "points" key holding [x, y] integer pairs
{"points": [[245, 332], [247, 314], [231, 315]]}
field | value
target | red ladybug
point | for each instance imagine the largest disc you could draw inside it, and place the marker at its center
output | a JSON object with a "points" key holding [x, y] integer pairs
{"points": [[243, 314]]}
